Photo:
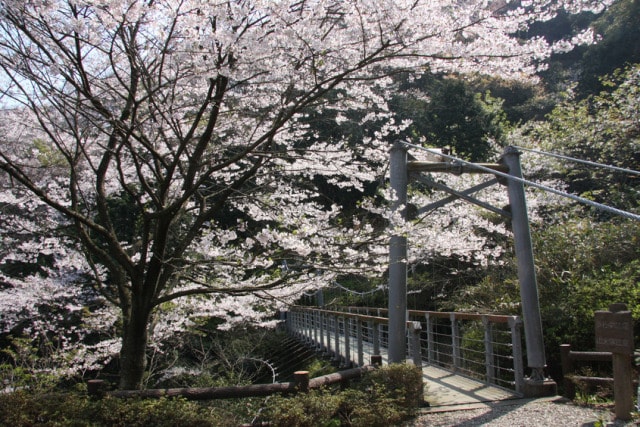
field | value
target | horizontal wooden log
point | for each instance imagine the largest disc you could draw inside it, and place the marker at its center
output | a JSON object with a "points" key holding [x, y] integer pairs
{"points": [[595, 380], [338, 377], [207, 393], [591, 380], [234, 392], [591, 356]]}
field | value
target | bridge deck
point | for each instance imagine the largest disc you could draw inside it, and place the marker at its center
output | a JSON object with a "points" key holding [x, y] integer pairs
{"points": [[445, 388]]}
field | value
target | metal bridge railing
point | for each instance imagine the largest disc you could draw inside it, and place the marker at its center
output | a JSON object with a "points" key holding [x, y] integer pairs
{"points": [[482, 346]]}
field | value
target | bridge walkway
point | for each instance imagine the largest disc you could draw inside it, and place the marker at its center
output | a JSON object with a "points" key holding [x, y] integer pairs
{"points": [[446, 388], [443, 387]]}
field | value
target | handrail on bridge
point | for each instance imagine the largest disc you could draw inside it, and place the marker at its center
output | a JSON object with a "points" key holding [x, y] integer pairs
{"points": [[482, 346]]}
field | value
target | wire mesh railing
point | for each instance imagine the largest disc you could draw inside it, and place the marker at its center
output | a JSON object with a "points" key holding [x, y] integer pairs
{"points": [[482, 346]]}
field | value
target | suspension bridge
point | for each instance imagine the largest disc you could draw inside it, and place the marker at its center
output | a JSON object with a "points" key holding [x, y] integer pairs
{"points": [[465, 358]]}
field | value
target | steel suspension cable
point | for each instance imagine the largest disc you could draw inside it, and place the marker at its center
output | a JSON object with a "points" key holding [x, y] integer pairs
{"points": [[350, 291], [573, 159], [600, 206]]}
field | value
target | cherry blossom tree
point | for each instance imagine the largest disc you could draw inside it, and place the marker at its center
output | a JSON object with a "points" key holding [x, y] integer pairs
{"points": [[171, 137]]}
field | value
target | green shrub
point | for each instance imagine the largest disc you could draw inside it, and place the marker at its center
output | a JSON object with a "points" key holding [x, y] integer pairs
{"points": [[382, 398], [401, 382], [371, 408], [73, 409], [316, 408]]}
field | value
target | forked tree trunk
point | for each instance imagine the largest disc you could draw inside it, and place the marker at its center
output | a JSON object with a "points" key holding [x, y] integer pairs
{"points": [[133, 352]]}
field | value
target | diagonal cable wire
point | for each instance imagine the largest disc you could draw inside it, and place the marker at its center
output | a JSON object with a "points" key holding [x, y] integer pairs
{"points": [[573, 159], [600, 206]]}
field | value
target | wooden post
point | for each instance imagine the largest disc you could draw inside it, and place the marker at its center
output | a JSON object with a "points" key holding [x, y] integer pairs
{"points": [[567, 370], [96, 388], [623, 385], [376, 360], [301, 380]]}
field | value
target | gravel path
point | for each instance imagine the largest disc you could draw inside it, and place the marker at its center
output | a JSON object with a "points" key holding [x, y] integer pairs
{"points": [[522, 413]]}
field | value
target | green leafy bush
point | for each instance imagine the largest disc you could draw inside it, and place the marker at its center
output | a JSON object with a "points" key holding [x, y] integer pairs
{"points": [[316, 408], [401, 382], [74, 409], [382, 398], [371, 408]]}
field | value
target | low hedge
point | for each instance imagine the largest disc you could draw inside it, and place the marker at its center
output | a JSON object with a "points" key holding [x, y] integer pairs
{"points": [[381, 398]]}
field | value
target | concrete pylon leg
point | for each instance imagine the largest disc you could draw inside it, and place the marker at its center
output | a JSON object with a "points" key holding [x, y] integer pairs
{"points": [[526, 268], [398, 260]]}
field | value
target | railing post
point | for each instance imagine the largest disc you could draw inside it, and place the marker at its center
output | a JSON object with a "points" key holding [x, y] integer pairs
{"points": [[347, 342], [316, 342], [329, 320], [488, 349], [336, 339], [455, 341], [567, 370], [376, 337], [414, 343], [309, 322], [516, 351], [431, 345], [321, 319], [294, 322], [304, 326], [360, 344]]}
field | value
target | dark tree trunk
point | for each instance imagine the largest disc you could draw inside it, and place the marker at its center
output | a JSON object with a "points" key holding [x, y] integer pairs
{"points": [[133, 358]]}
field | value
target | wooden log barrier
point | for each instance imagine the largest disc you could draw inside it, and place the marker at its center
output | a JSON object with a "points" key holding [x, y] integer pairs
{"points": [[339, 377], [207, 393], [301, 383]]}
